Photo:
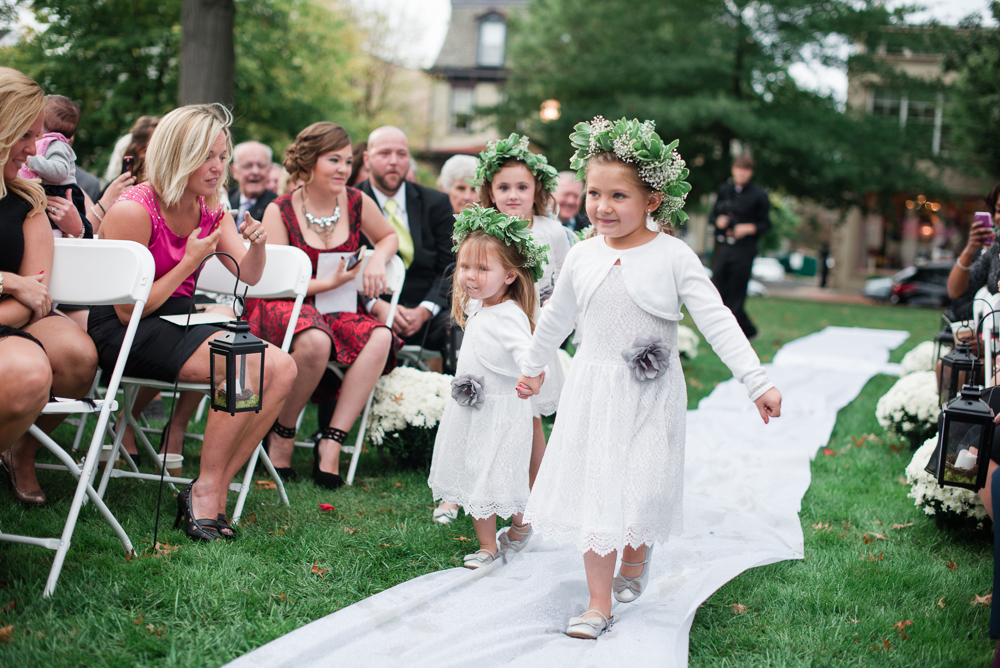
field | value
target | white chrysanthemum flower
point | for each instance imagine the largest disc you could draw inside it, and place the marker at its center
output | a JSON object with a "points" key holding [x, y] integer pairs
{"points": [[921, 358], [927, 494], [407, 398], [687, 342], [910, 405]]}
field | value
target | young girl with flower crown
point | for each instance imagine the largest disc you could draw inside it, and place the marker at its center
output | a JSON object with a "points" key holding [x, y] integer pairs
{"points": [[612, 477], [519, 183], [483, 444]]}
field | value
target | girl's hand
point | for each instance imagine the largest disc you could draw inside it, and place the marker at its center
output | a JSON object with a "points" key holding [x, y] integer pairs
{"points": [[63, 213], [196, 249], [116, 188], [769, 404], [374, 279], [253, 231], [528, 387], [31, 292]]}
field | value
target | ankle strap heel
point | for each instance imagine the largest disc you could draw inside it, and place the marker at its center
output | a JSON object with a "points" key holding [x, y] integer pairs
{"points": [[282, 431], [324, 478]]}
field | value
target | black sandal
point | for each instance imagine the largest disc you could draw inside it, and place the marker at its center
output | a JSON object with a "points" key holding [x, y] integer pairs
{"points": [[285, 473], [204, 530], [223, 526], [323, 478]]}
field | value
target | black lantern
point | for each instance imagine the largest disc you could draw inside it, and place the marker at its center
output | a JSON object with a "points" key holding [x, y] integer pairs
{"points": [[944, 341], [239, 391], [965, 440], [959, 367]]}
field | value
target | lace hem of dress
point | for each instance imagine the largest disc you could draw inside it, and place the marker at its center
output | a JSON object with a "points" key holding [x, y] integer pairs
{"points": [[540, 408], [482, 510], [601, 543]]}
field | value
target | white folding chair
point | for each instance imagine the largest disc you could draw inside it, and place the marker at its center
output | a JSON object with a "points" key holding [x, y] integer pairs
{"points": [[395, 275], [94, 272], [286, 275]]}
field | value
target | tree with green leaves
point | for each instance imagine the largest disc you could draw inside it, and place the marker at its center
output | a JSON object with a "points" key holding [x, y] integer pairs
{"points": [[120, 59], [975, 95], [715, 74]]}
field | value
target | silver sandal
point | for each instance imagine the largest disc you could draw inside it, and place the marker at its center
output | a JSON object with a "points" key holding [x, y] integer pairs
{"points": [[479, 558], [510, 545], [588, 628], [628, 589]]}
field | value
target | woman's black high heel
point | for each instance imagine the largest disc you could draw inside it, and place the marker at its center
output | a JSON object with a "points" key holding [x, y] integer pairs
{"points": [[285, 473], [322, 478], [204, 530], [225, 526]]}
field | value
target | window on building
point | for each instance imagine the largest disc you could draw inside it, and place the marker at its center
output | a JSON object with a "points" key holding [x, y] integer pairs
{"points": [[492, 41], [920, 117], [463, 102]]}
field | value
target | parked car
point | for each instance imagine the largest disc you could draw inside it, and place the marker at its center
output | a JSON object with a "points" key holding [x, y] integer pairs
{"points": [[879, 289], [767, 269], [926, 285]]}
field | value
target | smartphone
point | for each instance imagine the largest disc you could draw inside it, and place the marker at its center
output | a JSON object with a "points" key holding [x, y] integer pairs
{"points": [[128, 164], [354, 258], [984, 220]]}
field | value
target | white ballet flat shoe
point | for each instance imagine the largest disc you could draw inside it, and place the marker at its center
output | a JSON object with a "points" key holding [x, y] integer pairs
{"points": [[509, 544], [445, 515], [480, 558], [628, 589], [587, 628]]}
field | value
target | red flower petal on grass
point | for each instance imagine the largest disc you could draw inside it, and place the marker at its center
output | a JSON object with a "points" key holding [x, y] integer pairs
{"points": [[326, 506], [829, 452]]}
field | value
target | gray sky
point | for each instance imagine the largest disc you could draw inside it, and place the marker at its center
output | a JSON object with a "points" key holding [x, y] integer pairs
{"points": [[422, 25]]}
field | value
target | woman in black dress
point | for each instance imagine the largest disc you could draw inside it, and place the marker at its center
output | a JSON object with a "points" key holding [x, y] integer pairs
{"points": [[38, 350]]}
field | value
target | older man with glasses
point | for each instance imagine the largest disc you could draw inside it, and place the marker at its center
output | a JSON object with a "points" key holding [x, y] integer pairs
{"points": [[251, 166]]}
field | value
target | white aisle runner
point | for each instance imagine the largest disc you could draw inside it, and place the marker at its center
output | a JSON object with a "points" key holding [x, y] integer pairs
{"points": [[743, 485]]}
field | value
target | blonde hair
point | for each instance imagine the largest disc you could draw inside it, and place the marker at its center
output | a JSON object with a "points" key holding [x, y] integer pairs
{"points": [[179, 146], [632, 174], [21, 100], [521, 291]]}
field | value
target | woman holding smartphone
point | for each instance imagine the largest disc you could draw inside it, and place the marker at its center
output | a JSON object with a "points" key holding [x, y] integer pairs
{"points": [[326, 216], [974, 268]]}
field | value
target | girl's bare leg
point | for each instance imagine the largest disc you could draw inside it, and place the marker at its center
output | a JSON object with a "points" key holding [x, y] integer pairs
{"points": [[600, 574], [537, 450]]}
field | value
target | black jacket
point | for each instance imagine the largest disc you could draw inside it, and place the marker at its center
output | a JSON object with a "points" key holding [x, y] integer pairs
{"points": [[257, 210], [750, 205], [431, 222]]}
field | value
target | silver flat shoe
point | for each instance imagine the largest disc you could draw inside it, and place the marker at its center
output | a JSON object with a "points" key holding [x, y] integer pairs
{"points": [[628, 589], [445, 515], [587, 628], [508, 544], [479, 558]]}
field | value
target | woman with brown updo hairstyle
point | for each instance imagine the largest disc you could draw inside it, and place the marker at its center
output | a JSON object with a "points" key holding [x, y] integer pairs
{"points": [[322, 216]]}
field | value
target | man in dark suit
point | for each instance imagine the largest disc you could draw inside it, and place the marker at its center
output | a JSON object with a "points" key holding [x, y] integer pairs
{"points": [[424, 222], [741, 216], [251, 164]]}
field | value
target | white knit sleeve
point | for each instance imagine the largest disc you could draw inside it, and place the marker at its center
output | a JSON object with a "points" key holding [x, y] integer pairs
{"points": [[557, 321], [718, 324]]}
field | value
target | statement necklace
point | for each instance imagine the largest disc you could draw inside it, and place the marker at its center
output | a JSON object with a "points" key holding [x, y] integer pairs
{"points": [[321, 225]]}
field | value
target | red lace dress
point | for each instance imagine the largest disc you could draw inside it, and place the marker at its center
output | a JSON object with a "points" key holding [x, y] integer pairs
{"points": [[349, 332]]}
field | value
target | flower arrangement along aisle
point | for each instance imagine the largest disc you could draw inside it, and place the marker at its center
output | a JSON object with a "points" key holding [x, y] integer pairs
{"points": [[921, 358], [405, 414], [952, 506], [910, 408], [687, 342]]}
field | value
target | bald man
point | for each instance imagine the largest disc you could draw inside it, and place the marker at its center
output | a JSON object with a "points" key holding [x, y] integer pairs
{"points": [[424, 222], [569, 197], [251, 166]]}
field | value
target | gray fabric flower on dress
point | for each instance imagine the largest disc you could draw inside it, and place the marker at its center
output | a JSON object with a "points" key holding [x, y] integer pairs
{"points": [[468, 391], [648, 359]]}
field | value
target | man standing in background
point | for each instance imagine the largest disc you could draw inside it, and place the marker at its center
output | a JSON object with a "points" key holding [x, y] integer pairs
{"points": [[251, 166], [741, 216], [568, 196]]}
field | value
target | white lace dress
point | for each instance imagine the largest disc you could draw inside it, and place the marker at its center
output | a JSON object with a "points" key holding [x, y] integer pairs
{"points": [[481, 455], [548, 231], [613, 469]]}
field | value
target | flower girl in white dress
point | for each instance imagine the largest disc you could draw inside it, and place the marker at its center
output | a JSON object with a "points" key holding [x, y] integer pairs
{"points": [[612, 477], [483, 444], [519, 183]]}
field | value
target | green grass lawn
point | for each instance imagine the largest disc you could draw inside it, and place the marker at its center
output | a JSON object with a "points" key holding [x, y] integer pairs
{"points": [[203, 605]]}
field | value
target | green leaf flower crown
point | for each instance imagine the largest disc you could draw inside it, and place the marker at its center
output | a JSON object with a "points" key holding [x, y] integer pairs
{"points": [[508, 229], [637, 143], [515, 146]]}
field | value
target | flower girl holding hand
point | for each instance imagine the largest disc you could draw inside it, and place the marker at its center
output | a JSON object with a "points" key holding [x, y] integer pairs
{"points": [[483, 445], [613, 472]]}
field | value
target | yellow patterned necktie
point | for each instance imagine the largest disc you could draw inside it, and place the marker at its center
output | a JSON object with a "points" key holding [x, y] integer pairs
{"points": [[403, 234]]}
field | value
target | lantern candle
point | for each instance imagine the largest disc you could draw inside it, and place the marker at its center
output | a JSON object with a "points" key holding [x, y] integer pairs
{"points": [[965, 460]]}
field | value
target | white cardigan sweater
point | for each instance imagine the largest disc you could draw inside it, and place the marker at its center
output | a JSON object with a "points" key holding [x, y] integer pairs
{"points": [[659, 276]]}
